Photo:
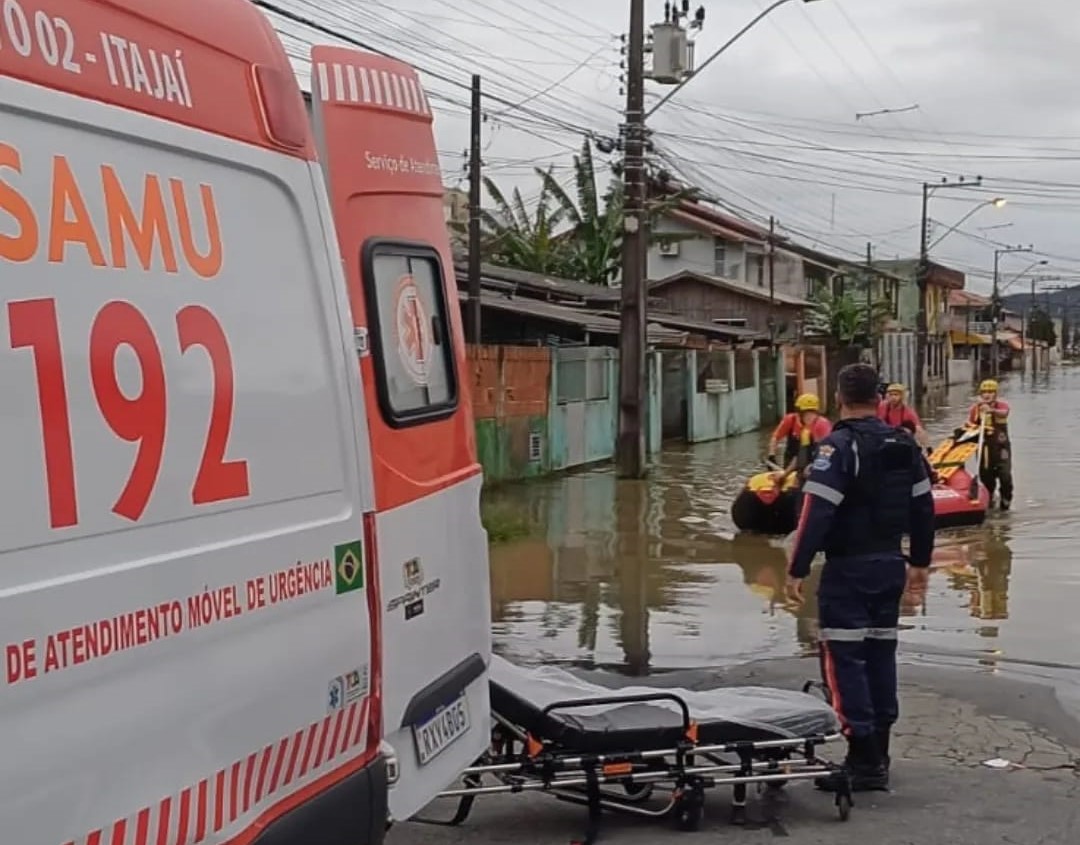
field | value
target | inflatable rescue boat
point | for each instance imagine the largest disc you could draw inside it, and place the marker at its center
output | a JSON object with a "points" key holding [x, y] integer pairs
{"points": [[764, 508], [959, 498]]}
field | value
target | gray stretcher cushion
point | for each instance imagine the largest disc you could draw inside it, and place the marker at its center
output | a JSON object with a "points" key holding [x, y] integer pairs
{"points": [[722, 714]]}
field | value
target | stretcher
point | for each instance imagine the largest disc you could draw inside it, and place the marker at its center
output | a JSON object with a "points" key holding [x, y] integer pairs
{"points": [[651, 752]]}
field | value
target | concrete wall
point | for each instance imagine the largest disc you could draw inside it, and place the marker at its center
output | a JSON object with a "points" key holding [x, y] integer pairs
{"points": [[736, 408], [509, 387], [961, 371], [540, 411], [896, 357]]}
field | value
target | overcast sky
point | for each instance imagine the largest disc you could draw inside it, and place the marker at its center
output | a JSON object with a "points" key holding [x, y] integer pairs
{"points": [[770, 127]]}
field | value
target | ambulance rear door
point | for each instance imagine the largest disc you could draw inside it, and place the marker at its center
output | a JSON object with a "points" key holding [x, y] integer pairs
{"points": [[374, 125], [183, 609]]}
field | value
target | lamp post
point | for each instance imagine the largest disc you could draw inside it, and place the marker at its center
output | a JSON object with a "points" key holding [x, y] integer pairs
{"points": [[996, 202], [922, 273], [995, 303]]}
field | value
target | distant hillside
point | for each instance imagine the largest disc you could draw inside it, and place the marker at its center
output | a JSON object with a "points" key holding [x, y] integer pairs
{"points": [[1020, 302]]}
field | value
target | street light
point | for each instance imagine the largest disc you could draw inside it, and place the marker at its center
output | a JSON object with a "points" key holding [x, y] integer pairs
{"points": [[716, 54], [996, 202], [921, 275]]}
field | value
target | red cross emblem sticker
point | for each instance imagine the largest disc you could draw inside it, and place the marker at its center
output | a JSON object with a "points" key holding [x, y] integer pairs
{"points": [[413, 328]]}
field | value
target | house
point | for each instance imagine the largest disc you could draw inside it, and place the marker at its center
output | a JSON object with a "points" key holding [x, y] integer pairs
{"points": [[709, 242], [940, 281], [968, 317], [456, 214], [714, 299], [972, 333]]}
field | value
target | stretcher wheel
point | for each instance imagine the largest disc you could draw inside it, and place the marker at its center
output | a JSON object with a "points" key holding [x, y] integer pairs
{"points": [[688, 817], [843, 807], [637, 791], [688, 811]]}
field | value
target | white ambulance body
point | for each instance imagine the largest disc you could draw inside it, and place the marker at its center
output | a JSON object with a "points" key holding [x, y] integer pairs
{"points": [[201, 516]]}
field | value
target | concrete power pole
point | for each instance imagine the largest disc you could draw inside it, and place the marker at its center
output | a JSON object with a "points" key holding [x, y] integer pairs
{"points": [[870, 304], [630, 455], [472, 328]]}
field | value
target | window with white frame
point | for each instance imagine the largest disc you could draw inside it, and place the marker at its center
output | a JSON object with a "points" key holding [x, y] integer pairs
{"points": [[719, 257]]}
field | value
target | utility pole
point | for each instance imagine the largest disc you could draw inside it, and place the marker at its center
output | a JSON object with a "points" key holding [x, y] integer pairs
{"points": [[472, 329], [870, 303], [772, 283], [630, 443], [995, 304]]}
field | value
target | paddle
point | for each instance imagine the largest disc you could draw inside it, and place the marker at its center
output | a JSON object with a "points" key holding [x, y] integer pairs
{"points": [[973, 492]]}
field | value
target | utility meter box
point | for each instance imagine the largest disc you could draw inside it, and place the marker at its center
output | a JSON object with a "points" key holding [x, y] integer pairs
{"points": [[672, 54]]}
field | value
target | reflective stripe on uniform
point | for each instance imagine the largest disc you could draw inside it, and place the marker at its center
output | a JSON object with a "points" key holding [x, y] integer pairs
{"points": [[882, 634], [920, 488], [857, 635], [843, 635], [822, 491]]}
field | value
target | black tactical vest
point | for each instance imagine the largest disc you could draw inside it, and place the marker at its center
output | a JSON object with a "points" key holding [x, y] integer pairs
{"points": [[876, 509]]}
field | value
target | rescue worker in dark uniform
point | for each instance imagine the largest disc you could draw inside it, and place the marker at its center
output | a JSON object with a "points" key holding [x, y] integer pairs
{"points": [[867, 487]]}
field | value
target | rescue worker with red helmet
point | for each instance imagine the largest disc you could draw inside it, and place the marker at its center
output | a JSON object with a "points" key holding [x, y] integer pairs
{"points": [[995, 463], [806, 418], [894, 411]]}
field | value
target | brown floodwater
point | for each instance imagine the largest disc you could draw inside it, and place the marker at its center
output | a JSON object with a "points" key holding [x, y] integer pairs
{"points": [[641, 577]]}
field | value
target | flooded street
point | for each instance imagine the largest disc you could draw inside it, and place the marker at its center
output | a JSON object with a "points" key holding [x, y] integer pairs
{"points": [[647, 576]]}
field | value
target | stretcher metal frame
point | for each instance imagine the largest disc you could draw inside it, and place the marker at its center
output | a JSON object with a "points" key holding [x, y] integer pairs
{"points": [[518, 762]]}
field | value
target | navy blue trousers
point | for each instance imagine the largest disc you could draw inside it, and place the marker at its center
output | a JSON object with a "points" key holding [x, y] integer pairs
{"points": [[858, 615]]}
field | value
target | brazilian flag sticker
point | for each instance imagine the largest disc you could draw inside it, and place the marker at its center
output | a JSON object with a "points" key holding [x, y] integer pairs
{"points": [[348, 567]]}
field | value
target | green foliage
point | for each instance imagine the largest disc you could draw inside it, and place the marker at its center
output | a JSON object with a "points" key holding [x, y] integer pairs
{"points": [[1041, 327], [513, 236], [839, 320], [575, 236]]}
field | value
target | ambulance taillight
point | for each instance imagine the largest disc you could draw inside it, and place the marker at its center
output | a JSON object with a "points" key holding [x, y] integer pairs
{"points": [[282, 107]]}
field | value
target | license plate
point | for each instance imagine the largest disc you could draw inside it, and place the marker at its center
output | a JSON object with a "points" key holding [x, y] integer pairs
{"points": [[439, 732]]}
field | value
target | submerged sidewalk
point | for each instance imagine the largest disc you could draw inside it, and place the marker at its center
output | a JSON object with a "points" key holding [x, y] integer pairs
{"points": [[943, 794]]}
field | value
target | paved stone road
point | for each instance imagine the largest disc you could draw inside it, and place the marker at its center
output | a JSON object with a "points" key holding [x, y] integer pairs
{"points": [[942, 793]]}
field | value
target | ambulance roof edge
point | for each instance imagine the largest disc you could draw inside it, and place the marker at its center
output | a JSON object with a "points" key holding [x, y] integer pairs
{"points": [[362, 79], [167, 60]]}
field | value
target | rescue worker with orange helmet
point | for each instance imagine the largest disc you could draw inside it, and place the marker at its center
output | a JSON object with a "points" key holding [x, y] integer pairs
{"points": [[807, 415], [995, 463]]}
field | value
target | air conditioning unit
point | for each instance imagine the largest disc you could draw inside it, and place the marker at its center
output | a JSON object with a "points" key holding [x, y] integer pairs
{"points": [[668, 248]]}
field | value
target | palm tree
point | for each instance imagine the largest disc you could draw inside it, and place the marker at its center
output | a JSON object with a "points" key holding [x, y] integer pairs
{"points": [[594, 242], [573, 237], [514, 237], [840, 319]]}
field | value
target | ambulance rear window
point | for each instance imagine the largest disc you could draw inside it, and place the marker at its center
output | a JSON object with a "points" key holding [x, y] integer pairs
{"points": [[406, 305]]}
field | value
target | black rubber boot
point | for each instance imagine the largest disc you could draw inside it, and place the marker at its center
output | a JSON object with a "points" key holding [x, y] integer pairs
{"points": [[883, 746], [864, 766], [1005, 503]]}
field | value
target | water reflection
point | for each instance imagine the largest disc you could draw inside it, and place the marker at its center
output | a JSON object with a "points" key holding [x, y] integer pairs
{"points": [[642, 576]]}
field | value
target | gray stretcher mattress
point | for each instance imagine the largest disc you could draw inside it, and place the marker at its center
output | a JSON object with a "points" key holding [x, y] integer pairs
{"points": [[723, 714]]}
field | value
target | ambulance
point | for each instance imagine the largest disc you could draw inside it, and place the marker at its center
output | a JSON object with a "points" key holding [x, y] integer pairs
{"points": [[243, 579]]}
